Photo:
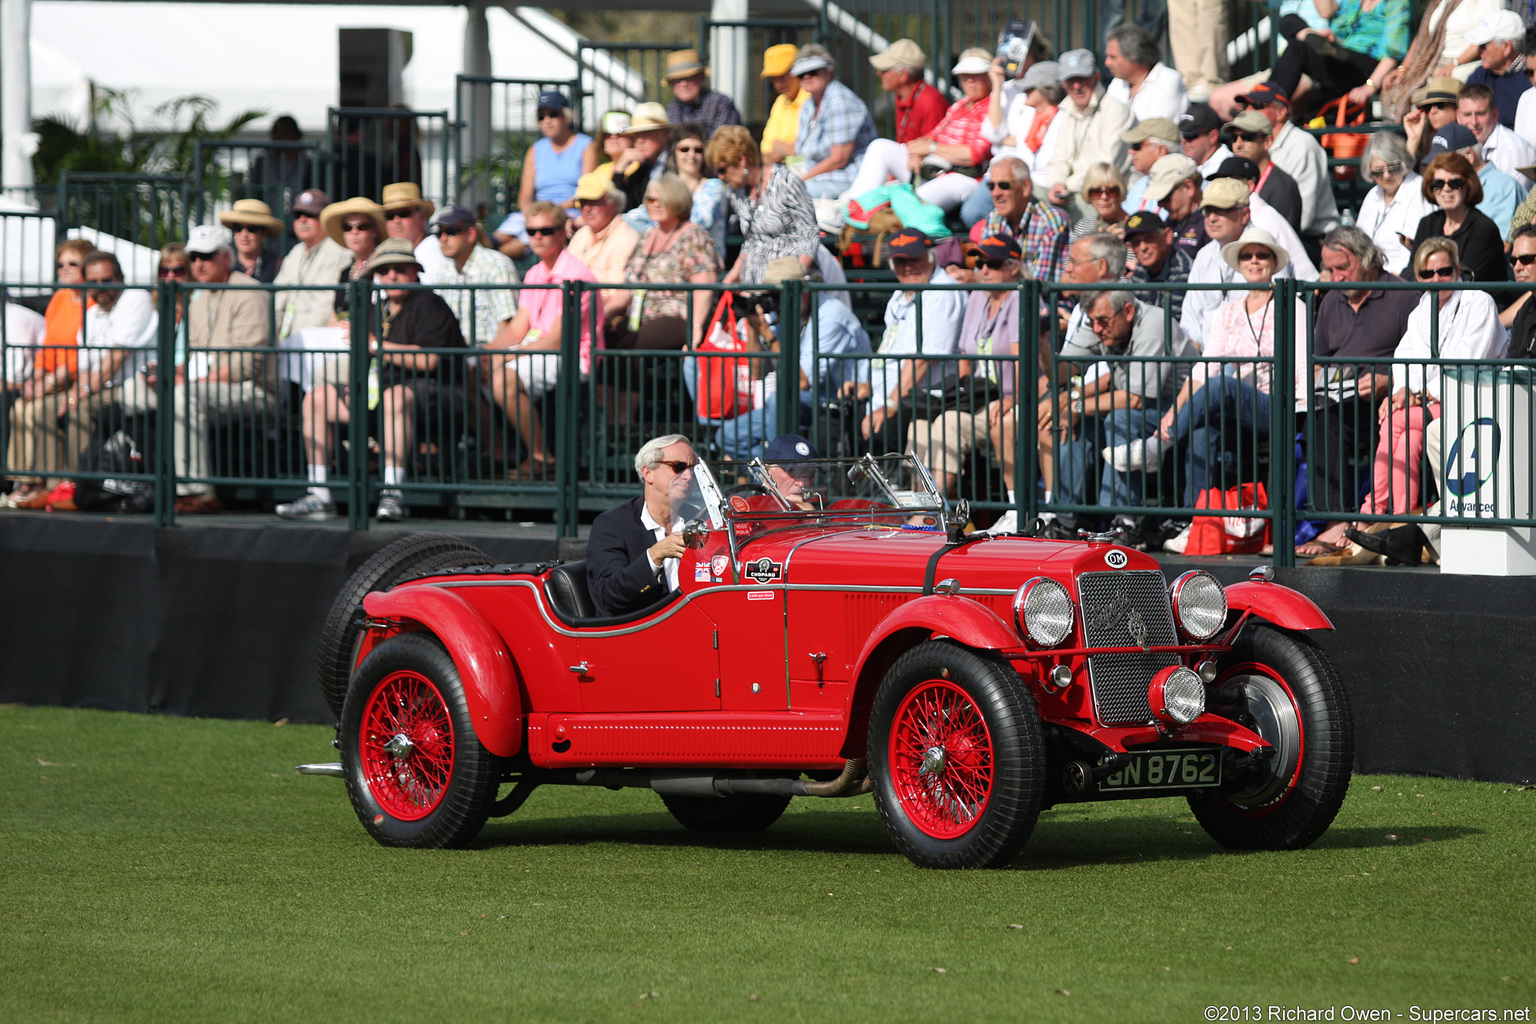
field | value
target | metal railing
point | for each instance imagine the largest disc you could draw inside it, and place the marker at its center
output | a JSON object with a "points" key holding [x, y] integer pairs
{"points": [[471, 446], [224, 170], [374, 146]]}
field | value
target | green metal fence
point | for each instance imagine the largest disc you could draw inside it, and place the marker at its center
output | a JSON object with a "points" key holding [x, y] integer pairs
{"points": [[274, 172], [374, 146]]}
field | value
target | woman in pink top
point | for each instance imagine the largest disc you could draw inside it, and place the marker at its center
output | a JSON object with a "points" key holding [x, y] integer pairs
{"points": [[532, 341], [1223, 408]]}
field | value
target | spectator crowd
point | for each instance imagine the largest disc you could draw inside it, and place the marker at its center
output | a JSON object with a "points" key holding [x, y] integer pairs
{"points": [[1081, 168]]}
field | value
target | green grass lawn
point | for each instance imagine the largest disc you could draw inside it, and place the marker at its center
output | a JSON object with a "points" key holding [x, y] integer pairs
{"points": [[161, 869]]}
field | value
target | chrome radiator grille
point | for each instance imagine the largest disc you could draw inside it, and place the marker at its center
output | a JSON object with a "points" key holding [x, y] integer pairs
{"points": [[1111, 602]]}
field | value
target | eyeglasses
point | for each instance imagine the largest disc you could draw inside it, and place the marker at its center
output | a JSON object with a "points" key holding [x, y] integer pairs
{"points": [[451, 232], [200, 257], [365, 225], [180, 271], [399, 214], [1103, 193], [1248, 136], [677, 467], [543, 231], [1389, 171], [1430, 273], [690, 149], [1454, 184], [250, 229], [1525, 259], [1002, 186]]}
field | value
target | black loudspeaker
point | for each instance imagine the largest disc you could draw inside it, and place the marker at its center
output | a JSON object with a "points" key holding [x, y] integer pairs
{"points": [[372, 60]]}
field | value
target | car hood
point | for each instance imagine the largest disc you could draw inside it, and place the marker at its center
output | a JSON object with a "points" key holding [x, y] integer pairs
{"points": [[899, 558]]}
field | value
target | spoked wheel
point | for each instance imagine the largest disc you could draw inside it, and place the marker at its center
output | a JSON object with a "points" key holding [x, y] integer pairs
{"points": [[416, 772], [957, 757], [1283, 687], [389, 565], [739, 812]]}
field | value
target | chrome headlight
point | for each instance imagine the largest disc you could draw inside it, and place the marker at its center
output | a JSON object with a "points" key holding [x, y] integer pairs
{"points": [[1042, 610], [1177, 695], [1199, 605]]}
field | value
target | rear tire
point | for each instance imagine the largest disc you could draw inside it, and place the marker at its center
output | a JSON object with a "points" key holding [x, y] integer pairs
{"points": [[957, 758], [416, 772], [1288, 692], [739, 812], [389, 565]]}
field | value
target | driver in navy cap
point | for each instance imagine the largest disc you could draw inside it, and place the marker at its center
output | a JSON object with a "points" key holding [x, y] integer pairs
{"points": [[785, 458]]}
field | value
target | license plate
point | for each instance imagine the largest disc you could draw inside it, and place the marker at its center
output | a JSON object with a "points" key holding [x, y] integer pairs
{"points": [[1166, 769]]}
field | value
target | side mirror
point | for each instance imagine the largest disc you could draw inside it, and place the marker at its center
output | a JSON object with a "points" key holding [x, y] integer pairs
{"points": [[695, 533]]}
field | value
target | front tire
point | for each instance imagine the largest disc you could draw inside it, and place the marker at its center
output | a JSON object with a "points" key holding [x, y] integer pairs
{"points": [[957, 758], [1285, 689], [416, 772], [392, 563], [739, 812]]}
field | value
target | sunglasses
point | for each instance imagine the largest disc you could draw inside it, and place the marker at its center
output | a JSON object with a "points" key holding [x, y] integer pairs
{"points": [[305, 215], [1256, 254], [690, 149], [1428, 274], [100, 280], [366, 225], [399, 214], [1454, 184], [1103, 193], [813, 74], [677, 467], [543, 231], [1101, 321], [66, 263], [991, 264], [249, 229], [180, 271], [451, 232], [1248, 136], [200, 257], [1440, 106], [1389, 171], [1002, 186], [545, 113], [1525, 260], [1530, 72], [1135, 147]]}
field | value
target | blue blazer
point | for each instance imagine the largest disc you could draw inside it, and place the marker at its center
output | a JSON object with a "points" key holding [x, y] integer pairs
{"points": [[620, 576]]}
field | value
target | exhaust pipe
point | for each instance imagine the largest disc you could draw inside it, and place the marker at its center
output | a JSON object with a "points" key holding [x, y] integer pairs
{"points": [[332, 769]]}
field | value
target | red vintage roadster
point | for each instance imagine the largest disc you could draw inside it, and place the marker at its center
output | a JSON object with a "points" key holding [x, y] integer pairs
{"points": [[843, 640]]}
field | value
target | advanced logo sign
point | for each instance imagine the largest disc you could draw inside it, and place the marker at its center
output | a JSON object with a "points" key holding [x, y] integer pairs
{"points": [[1465, 474]]}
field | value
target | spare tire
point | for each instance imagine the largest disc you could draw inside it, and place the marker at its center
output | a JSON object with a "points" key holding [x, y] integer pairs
{"points": [[406, 557]]}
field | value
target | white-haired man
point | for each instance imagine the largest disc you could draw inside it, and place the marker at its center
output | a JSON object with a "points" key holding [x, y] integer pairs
{"points": [[634, 549]]}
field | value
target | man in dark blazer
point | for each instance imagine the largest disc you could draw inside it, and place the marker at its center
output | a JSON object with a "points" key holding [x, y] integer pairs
{"points": [[633, 549]]}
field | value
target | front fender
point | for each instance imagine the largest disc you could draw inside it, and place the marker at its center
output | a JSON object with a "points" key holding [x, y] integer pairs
{"points": [[485, 667], [958, 618], [1286, 608]]}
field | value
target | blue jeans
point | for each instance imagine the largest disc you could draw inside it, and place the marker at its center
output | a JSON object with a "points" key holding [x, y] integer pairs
{"points": [[1081, 472], [742, 438], [977, 205], [1225, 415]]}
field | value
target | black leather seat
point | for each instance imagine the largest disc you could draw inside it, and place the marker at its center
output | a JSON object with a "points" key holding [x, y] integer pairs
{"points": [[567, 590]]}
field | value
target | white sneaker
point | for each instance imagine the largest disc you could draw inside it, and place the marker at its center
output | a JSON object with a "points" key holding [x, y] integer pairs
{"points": [[1178, 542], [308, 507], [1143, 453], [391, 506], [1008, 522]]}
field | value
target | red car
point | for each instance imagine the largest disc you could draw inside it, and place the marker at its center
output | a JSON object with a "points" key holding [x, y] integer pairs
{"points": [[840, 640]]}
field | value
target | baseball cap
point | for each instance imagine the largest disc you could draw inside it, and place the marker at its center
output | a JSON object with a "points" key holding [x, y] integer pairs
{"points": [[553, 100], [207, 239], [1498, 25], [1166, 175], [1225, 193], [450, 216], [1143, 221], [1251, 121], [310, 201], [1077, 64], [789, 448], [1264, 94], [903, 52], [1159, 128], [909, 243], [592, 186], [997, 247], [1238, 167], [1448, 140], [1198, 121], [777, 60], [1045, 72]]}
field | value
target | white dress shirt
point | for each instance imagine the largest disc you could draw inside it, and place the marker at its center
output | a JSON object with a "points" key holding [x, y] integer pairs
{"points": [[1384, 222], [1162, 94], [1469, 329], [1218, 156], [132, 323], [669, 565], [1509, 151]]}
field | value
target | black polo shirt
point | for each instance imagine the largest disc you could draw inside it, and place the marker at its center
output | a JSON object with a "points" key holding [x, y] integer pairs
{"points": [[425, 321]]}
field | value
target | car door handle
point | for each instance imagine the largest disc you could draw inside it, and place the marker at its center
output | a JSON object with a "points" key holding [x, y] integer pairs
{"points": [[580, 668]]}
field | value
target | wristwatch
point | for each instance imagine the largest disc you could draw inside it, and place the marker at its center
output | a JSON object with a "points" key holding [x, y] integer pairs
{"points": [[933, 147]]}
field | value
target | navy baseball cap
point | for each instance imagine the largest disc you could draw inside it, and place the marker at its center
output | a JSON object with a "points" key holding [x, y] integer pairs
{"points": [[909, 243], [1199, 120], [1448, 140], [553, 100], [788, 449], [1143, 222], [451, 216]]}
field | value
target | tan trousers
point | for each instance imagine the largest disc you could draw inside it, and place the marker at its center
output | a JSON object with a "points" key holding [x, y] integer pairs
{"points": [[941, 444], [1197, 32], [37, 439]]}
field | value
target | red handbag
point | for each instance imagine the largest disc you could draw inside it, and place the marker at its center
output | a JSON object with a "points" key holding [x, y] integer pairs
{"points": [[724, 385], [1230, 534]]}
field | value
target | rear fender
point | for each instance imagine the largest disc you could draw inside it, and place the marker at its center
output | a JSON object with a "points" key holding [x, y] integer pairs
{"points": [[490, 682], [1286, 608], [962, 620]]}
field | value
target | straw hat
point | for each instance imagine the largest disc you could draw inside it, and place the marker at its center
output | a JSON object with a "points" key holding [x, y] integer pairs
{"points": [[684, 64], [393, 252], [1255, 236], [406, 195], [333, 216], [252, 211], [648, 117]]}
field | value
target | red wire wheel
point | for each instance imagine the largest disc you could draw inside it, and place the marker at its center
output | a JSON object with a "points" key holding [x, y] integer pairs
{"points": [[407, 746], [956, 757], [941, 759]]}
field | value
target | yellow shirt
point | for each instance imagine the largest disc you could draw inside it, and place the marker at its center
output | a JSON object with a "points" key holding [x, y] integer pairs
{"points": [[783, 121]]}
